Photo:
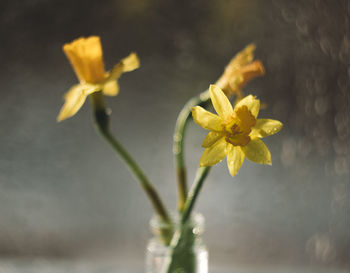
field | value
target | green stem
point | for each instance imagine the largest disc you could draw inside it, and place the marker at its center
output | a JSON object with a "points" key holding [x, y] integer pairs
{"points": [[194, 192], [102, 122], [180, 255], [180, 129], [185, 202]]}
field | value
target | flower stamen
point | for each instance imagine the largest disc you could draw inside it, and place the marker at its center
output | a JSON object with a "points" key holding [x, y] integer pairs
{"points": [[238, 127], [235, 135]]}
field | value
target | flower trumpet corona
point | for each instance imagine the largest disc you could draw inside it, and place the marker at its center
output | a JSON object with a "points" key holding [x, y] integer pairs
{"points": [[234, 133], [240, 70], [86, 57]]}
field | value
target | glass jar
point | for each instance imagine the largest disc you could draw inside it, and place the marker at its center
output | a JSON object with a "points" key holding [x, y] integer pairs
{"points": [[194, 251]]}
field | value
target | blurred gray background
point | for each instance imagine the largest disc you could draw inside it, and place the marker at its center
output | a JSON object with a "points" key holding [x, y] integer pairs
{"points": [[64, 193]]}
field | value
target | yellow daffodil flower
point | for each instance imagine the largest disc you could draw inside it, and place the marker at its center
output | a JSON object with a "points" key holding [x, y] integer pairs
{"points": [[239, 71], [234, 133], [86, 57]]}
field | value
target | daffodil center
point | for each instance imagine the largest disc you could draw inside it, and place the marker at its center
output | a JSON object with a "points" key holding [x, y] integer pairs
{"points": [[238, 127]]}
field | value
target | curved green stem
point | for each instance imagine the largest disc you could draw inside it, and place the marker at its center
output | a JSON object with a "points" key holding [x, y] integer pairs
{"points": [[180, 129], [102, 123]]}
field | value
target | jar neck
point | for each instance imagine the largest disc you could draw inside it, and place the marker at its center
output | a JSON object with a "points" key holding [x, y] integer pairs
{"points": [[193, 227]]}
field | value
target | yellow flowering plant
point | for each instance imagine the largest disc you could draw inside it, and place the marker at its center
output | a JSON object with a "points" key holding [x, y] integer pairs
{"points": [[86, 58], [240, 70], [235, 131]]}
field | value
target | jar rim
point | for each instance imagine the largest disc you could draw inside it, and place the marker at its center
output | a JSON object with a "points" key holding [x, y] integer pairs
{"points": [[196, 220]]}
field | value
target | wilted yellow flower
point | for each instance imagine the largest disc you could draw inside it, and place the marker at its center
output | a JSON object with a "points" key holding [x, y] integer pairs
{"points": [[239, 71], [234, 132], [86, 57]]}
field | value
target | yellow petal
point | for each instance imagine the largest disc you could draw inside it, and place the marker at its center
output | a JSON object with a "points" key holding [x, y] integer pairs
{"points": [[116, 72], [111, 88], [220, 102], [245, 56], [130, 62], [251, 71], [252, 103], [74, 99], [206, 119], [211, 138], [235, 158], [127, 64], [257, 152], [265, 127], [234, 69], [214, 154]]}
